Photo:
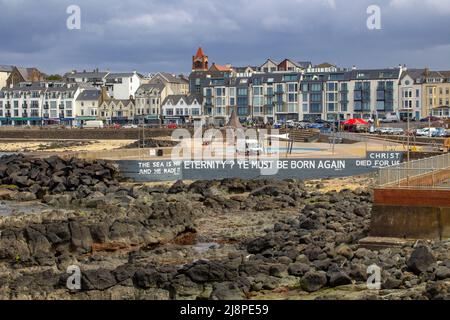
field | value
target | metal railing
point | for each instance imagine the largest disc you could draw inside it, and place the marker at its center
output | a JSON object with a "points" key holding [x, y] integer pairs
{"points": [[425, 173], [358, 137]]}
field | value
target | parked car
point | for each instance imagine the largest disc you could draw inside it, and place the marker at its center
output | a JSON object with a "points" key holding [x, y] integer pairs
{"points": [[430, 118], [277, 125], [386, 130], [130, 126], [291, 124], [172, 126], [405, 119], [426, 132], [439, 133], [398, 131]]}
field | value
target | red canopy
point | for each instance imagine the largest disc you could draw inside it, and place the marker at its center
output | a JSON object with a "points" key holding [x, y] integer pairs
{"points": [[355, 122]]}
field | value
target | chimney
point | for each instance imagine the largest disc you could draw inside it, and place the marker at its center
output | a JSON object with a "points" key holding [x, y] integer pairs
{"points": [[354, 67]]}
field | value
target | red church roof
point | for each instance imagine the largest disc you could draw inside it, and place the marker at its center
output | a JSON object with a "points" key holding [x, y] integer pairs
{"points": [[200, 53]]}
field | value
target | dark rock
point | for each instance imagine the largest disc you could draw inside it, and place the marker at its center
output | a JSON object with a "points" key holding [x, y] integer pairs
{"points": [[100, 279], [338, 277], [270, 190], [421, 260], [298, 269], [313, 281]]}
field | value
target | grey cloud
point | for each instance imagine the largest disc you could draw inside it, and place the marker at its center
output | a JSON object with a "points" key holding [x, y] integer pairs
{"points": [[157, 35]]}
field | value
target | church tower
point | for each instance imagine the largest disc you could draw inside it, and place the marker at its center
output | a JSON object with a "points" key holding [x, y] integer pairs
{"points": [[200, 61]]}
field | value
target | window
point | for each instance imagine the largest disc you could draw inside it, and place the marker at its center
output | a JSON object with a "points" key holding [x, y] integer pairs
{"points": [[242, 92], [332, 86], [292, 87], [331, 107], [316, 108], [305, 87], [315, 97], [220, 92], [316, 87]]}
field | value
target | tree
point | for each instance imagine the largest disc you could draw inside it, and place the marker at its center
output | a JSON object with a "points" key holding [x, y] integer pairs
{"points": [[54, 77]]}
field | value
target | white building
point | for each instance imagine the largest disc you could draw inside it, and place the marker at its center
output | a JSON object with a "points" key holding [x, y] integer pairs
{"points": [[87, 106], [95, 78], [38, 103], [410, 94], [181, 109], [123, 86]]}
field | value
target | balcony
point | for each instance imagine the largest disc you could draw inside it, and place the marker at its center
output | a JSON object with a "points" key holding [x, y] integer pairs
{"points": [[46, 107]]}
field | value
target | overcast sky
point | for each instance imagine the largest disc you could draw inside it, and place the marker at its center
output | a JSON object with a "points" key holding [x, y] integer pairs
{"points": [[162, 35]]}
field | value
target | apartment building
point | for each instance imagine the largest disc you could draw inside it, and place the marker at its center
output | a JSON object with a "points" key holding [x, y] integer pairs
{"points": [[436, 93], [374, 93], [410, 94], [117, 111], [123, 86], [39, 103], [95, 78], [150, 96], [181, 109], [87, 106]]}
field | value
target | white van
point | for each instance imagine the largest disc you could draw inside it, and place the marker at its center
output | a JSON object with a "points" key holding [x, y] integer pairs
{"points": [[94, 124], [390, 118]]}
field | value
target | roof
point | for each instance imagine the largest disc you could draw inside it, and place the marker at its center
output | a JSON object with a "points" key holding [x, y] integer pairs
{"points": [[172, 78], [42, 86], [89, 95], [304, 64], [221, 68], [125, 102], [149, 86], [122, 75], [26, 72], [5, 68], [270, 60], [189, 99], [374, 74], [415, 74], [200, 53], [325, 65], [87, 75]]}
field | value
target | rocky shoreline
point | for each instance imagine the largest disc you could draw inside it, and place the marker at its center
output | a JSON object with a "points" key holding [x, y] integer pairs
{"points": [[228, 239]]}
